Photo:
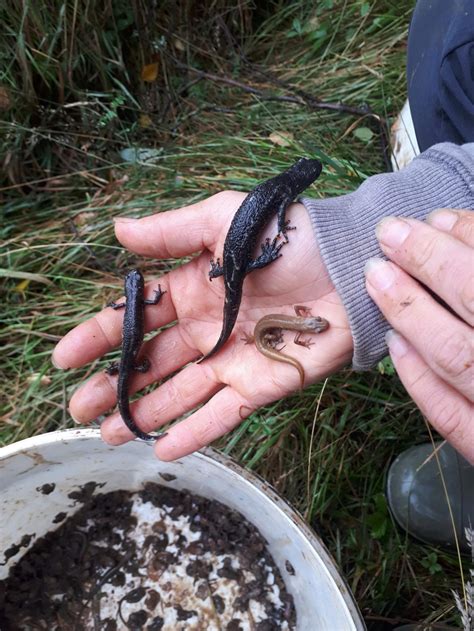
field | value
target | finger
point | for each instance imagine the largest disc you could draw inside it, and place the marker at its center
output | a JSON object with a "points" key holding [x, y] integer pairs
{"points": [[444, 341], [438, 260], [222, 413], [447, 410], [181, 393], [459, 223], [166, 352], [179, 232]]}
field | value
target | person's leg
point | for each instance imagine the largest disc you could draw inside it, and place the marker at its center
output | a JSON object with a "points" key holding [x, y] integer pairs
{"points": [[440, 71]]}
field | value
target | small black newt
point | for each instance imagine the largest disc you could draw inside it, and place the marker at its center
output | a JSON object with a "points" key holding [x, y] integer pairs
{"points": [[132, 339]]}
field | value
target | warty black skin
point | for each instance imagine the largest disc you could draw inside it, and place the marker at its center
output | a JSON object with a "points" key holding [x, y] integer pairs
{"points": [[132, 339], [269, 198]]}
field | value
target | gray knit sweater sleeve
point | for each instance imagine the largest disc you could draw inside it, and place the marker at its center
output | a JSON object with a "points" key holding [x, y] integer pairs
{"points": [[441, 177]]}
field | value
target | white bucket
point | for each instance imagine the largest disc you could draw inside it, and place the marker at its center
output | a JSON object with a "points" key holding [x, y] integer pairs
{"points": [[71, 458]]}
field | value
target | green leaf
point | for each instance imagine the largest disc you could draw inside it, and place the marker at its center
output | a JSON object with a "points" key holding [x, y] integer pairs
{"points": [[319, 33], [364, 8], [297, 26], [430, 562], [324, 5], [378, 524], [386, 367], [363, 133], [378, 520]]}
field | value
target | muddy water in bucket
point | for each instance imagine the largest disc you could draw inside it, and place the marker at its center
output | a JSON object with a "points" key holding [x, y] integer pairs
{"points": [[141, 552], [156, 559]]}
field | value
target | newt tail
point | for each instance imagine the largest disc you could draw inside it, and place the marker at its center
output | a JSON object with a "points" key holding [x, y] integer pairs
{"points": [[125, 412], [229, 319]]}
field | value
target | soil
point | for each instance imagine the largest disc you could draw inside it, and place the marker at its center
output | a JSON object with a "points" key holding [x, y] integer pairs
{"points": [[159, 559]]}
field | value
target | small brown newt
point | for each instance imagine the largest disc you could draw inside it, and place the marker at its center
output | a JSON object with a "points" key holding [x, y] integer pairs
{"points": [[268, 334]]}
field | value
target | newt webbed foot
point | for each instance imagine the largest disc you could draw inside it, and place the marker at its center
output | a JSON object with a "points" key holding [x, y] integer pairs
{"points": [[285, 228], [112, 368], [302, 311], [216, 269], [116, 305], [273, 338], [270, 252], [306, 342], [143, 367], [248, 338], [156, 298]]}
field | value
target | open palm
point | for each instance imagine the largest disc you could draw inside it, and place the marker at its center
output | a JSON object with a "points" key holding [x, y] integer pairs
{"points": [[238, 379]]}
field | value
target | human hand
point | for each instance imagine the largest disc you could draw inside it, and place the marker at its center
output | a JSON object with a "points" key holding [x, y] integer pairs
{"points": [[238, 379], [432, 346]]}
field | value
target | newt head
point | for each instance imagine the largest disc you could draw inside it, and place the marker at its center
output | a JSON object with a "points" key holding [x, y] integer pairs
{"points": [[304, 172], [316, 324], [134, 279]]}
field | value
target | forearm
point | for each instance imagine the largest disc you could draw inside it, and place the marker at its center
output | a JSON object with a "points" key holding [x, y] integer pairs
{"points": [[441, 177]]}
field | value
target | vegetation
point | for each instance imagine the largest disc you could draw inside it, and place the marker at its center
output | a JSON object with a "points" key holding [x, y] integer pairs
{"points": [[220, 92]]}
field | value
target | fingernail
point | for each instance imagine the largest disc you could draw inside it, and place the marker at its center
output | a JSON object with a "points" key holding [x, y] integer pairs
{"points": [[123, 219], [75, 419], [379, 273], [56, 365], [397, 345], [392, 231], [442, 219]]}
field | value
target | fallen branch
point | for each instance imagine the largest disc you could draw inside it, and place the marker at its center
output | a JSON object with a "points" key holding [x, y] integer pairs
{"points": [[300, 97], [311, 102]]}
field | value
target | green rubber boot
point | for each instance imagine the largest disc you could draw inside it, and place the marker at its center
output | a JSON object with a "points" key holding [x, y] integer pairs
{"points": [[417, 497]]}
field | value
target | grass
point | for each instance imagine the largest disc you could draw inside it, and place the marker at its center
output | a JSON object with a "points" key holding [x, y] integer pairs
{"points": [[327, 450]]}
